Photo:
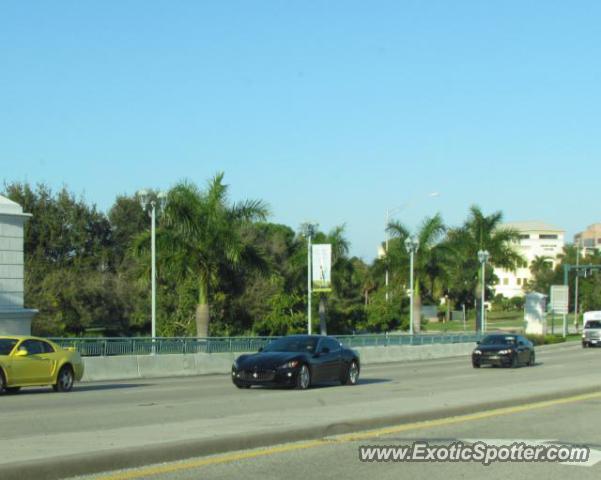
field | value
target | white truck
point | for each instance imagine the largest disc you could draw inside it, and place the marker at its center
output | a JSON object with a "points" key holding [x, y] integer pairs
{"points": [[591, 336]]}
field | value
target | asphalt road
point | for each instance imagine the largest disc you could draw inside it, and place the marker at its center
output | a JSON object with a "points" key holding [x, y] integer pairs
{"points": [[105, 425], [568, 424]]}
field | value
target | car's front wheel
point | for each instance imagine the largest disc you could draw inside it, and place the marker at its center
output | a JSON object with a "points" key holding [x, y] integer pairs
{"points": [[531, 360], [475, 364], [303, 379], [64, 380], [352, 374], [2, 382], [12, 389]]}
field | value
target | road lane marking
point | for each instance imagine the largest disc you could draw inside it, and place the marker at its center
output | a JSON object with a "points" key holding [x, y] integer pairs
{"points": [[338, 439]]}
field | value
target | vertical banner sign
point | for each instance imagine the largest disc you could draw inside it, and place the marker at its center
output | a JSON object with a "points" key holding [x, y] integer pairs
{"points": [[322, 267], [559, 299]]}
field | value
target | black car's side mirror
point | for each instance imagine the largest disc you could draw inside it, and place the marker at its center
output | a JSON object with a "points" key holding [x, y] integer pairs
{"points": [[478, 342]]}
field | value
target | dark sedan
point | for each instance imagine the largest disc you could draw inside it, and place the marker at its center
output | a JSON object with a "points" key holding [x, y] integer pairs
{"points": [[298, 361], [504, 351]]}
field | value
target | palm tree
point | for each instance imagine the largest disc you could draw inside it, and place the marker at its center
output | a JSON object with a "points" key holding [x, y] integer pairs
{"points": [[542, 274], [200, 236], [480, 232], [427, 260]]}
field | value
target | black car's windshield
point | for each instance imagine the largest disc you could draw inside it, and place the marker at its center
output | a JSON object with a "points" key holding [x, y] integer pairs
{"points": [[498, 340], [6, 345], [292, 344], [593, 324]]}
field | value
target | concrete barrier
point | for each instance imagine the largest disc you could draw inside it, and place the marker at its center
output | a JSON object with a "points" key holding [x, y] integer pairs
{"points": [[125, 367]]}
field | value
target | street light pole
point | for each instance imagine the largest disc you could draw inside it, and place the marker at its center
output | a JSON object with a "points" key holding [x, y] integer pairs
{"points": [[309, 230], [387, 237], [483, 256], [309, 290], [146, 201], [154, 273], [411, 244]]}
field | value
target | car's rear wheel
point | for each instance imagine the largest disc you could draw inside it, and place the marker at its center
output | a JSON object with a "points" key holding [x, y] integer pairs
{"points": [[303, 379], [352, 374], [514, 360], [12, 389], [2, 382], [584, 344], [64, 380]]}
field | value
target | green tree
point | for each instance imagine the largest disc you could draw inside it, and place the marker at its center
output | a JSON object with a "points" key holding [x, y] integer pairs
{"points": [[200, 237], [427, 266], [542, 274], [480, 232]]}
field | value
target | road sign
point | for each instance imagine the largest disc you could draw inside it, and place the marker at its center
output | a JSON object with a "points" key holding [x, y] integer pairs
{"points": [[559, 299]]}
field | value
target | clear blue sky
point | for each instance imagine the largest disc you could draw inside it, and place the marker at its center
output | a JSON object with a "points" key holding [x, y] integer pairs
{"points": [[330, 111]]}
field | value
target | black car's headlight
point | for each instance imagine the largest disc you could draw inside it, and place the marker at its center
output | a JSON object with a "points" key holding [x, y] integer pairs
{"points": [[477, 352], [290, 364]]}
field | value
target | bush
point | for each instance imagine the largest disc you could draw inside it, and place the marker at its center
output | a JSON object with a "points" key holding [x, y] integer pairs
{"points": [[545, 339]]}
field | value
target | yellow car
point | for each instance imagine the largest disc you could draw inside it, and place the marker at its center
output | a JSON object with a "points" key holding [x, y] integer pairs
{"points": [[32, 361]]}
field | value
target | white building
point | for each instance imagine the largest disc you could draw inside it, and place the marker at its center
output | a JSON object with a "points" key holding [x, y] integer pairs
{"points": [[14, 319], [537, 239]]}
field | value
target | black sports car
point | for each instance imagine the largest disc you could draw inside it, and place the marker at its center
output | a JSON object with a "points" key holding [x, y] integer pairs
{"points": [[503, 350], [298, 361]]}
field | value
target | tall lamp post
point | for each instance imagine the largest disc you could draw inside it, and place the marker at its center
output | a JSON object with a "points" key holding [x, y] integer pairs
{"points": [[389, 212], [483, 257], [147, 201], [309, 230], [412, 245]]}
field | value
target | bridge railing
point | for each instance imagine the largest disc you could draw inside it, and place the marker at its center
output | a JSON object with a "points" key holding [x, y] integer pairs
{"points": [[111, 346]]}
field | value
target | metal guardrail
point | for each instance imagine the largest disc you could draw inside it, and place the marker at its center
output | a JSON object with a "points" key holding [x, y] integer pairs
{"points": [[97, 347]]}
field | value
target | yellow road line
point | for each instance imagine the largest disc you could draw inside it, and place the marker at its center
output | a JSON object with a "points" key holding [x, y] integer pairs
{"points": [[344, 438]]}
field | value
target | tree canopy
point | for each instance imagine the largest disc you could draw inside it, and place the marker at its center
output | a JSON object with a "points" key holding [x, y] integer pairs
{"points": [[224, 269]]}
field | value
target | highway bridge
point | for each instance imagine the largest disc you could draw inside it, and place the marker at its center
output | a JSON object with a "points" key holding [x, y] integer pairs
{"points": [[218, 431]]}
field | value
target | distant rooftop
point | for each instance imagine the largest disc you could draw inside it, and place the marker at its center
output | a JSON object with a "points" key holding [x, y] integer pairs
{"points": [[532, 226]]}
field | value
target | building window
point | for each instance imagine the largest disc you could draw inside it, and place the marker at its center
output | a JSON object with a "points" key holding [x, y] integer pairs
{"points": [[524, 236], [519, 281], [505, 281], [547, 236]]}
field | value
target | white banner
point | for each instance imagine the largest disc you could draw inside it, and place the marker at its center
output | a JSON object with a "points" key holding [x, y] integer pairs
{"points": [[322, 267], [559, 299]]}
